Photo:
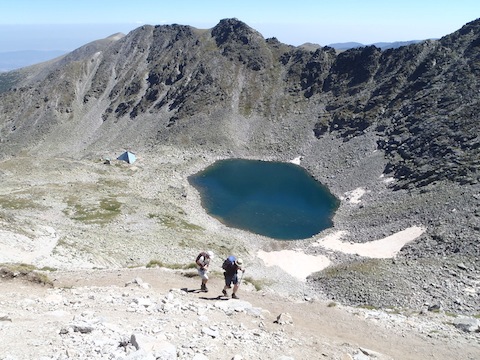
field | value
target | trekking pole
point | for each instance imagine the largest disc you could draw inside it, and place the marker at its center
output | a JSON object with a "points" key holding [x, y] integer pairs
{"points": [[241, 277]]}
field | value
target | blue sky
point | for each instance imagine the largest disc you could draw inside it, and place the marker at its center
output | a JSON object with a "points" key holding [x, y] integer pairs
{"points": [[68, 24]]}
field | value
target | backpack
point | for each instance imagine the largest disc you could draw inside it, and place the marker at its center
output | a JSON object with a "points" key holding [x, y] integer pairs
{"points": [[229, 262]]}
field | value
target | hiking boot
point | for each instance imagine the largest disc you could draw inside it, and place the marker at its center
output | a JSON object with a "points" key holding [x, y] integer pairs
{"points": [[224, 292], [203, 287], [234, 296]]}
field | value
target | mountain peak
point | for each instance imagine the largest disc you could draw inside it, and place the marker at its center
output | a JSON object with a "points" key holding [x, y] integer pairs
{"points": [[234, 30]]}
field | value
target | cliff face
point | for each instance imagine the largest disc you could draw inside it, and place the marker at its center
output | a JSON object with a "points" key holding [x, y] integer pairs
{"points": [[410, 114]]}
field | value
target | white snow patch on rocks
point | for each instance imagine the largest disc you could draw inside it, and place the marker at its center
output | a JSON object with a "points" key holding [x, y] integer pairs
{"points": [[296, 263]]}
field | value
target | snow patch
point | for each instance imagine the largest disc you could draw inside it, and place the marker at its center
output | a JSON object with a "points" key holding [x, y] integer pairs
{"points": [[297, 160], [296, 263], [354, 196], [387, 180], [387, 247]]}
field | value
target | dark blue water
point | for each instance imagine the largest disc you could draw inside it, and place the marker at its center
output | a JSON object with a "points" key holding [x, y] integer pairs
{"points": [[274, 199]]}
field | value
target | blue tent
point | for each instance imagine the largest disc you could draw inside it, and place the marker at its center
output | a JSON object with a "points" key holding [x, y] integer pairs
{"points": [[128, 157]]}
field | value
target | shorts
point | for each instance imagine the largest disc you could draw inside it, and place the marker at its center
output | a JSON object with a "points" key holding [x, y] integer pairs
{"points": [[203, 273], [230, 279]]}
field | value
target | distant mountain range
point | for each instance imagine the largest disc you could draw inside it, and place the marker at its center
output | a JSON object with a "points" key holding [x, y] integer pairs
{"points": [[353, 45], [381, 45], [17, 59]]}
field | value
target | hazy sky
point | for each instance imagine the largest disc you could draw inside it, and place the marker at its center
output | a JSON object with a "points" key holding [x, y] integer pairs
{"points": [[68, 24]]}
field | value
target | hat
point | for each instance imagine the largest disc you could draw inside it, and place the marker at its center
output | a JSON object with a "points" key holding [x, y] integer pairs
{"points": [[239, 262], [211, 255]]}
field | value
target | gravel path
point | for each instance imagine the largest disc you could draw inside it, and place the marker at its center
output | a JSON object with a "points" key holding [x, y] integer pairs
{"points": [[148, 313]]}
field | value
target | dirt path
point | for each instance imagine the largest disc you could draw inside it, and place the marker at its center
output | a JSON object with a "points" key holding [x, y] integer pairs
{"points": [[397, 338]]}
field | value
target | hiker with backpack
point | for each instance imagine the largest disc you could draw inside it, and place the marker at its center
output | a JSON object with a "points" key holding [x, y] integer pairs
{"points": [[203, 262], [231, 265]]}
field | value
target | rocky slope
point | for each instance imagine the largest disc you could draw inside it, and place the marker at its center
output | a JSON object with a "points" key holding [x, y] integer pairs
{"points": [[160, 314], [401, 124]]}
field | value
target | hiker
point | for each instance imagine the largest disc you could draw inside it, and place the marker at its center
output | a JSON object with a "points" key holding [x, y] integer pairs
{"points": [[231, 266], [203, 261]]}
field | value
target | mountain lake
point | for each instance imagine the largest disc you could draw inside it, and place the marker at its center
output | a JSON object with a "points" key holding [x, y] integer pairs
{"points": [[274, 199]]}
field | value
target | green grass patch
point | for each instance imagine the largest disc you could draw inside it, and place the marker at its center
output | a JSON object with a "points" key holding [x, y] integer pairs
{"points": [[103, 212], [368, 307], [111, 205], [257, 284], [447, 313], [109, 183], [25, 272], [155, 263], [393, 310], [48, 268], [40, 278], [158, 263], [173, 222], [18, 268], [16, 203]]}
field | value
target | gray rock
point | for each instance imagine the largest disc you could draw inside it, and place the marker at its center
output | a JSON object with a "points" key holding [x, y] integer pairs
{"points": [[435, 307], [360, 356], [142, 341], [369, 352], [83, 327], [145, 302], [160, 348], [467, 324], [210, 332], [284, 319], [5, 317]]}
